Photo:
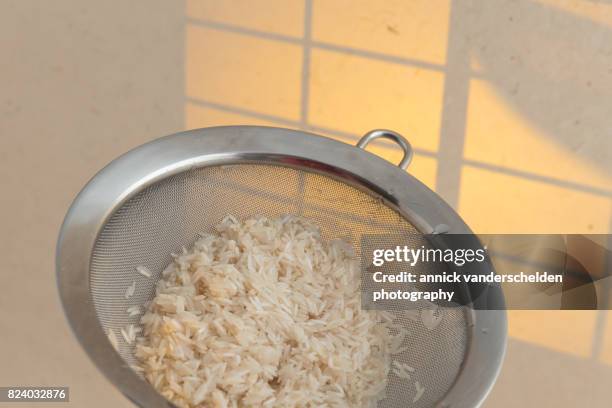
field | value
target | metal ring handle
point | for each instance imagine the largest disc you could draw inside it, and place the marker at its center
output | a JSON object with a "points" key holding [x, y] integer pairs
{"points": [[391, 135]]}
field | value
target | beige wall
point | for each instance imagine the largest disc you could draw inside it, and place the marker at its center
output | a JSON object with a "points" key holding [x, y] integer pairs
{"points": [[507, 104], [80, 83]]}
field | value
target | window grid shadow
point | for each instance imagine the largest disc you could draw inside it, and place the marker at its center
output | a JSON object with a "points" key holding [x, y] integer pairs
{"points": [[458, 74]]}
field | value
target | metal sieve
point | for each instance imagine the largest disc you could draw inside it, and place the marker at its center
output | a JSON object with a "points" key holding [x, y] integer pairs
{"points": [[154, 200]]}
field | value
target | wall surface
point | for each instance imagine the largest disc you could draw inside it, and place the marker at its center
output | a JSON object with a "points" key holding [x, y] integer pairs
{"points": [[507, 104], [80, 83]]}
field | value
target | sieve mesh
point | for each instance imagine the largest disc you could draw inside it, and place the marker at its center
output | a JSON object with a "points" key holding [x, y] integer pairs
{"points": [[168, 215]]}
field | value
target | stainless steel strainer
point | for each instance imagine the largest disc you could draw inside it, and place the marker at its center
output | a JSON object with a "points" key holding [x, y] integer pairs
{"points": [[154, 200]]}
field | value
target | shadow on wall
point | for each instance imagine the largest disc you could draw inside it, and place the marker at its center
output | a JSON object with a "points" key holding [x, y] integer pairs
{"points": [[504, 101], [551, 61], [526, 124]]}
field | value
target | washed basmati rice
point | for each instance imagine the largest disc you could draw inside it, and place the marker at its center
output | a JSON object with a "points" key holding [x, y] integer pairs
{"points": [[420, 390], [130, 290], [431, 317], [112, 337], [129, 333], [265, 313], [402, 370], [144, 271], [401, 373], [133, 311]]}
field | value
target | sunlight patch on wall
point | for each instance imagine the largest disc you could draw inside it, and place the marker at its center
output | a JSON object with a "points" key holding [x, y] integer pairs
{"points": [[244, 72], [416, 29], [516, 178], [492, 202], [273, 16], [355, 94]]}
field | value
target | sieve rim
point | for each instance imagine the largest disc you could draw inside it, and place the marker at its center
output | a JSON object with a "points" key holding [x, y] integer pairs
{"points": [[152, 162]]}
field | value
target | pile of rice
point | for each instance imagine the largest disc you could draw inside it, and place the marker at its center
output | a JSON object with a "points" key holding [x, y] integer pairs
{"points": [[264, 313]]}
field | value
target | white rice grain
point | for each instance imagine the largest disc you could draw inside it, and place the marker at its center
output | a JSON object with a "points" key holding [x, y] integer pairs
{"points": [[431, 317], [126, 337], [133, 311], [419, 391], [130, 290], [112, 338], [129, 333], [265, 313], [401, 373], [144, 271]]}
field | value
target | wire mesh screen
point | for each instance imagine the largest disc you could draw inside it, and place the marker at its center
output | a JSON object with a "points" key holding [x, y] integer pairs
{"points": [[168, 215]]}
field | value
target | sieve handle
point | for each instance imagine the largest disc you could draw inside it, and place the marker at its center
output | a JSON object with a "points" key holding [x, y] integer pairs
{"points": [[391, 135]]}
